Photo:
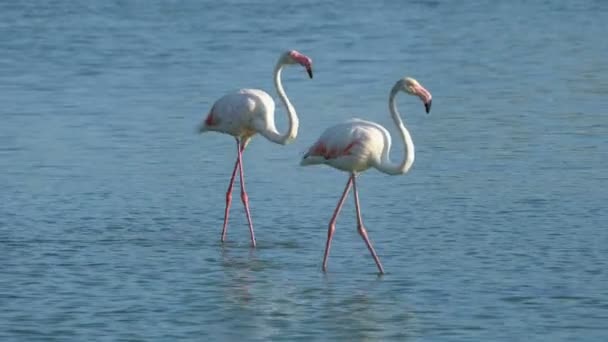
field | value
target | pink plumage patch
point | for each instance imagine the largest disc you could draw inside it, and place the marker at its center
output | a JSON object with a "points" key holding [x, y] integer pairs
{"points": [[320, 150], [346, 150], [210, 120]]}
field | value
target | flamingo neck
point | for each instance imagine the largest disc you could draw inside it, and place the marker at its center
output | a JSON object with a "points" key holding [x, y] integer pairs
{"points": [[386, 165], [293, 122]]}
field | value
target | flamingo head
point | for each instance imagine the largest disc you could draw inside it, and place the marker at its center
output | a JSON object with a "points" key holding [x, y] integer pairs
{"points": [[295, 57], [412, 87]]}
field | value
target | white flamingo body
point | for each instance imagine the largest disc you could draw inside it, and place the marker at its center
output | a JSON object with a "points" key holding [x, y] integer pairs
{"points": [[357, 145], [246, 112], [353, 146], [243, 113]]}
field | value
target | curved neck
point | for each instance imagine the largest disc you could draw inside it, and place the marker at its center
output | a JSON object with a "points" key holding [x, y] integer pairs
{"points": [[293, 123], [386, 165]]}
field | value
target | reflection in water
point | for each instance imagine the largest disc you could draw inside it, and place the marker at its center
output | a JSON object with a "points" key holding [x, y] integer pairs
{"points": [[238, 274], [247, 295], [362, 315], [262, 300]]}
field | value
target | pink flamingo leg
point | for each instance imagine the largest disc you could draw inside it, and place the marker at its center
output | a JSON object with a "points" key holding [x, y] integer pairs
{"points": [[332, 222], [229, 193], [244, 196], [361, 228]]}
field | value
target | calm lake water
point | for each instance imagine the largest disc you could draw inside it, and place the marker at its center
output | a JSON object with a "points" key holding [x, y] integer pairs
{"points": [[111, 206]]}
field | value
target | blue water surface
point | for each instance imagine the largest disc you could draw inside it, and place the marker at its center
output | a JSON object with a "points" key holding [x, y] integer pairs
{"points": [[111, 205]]}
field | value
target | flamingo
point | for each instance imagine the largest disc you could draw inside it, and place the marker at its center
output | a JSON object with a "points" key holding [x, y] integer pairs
{"points": [[246, 112], [356, 145]]}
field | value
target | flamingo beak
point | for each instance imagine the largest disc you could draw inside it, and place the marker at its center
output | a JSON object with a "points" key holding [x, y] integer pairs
{"points": [[425, 96], [309, 71]]}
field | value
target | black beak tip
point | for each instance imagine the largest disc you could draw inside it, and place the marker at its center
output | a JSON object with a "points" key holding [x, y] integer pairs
{"points": [[427, 106], [309, 71]]}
